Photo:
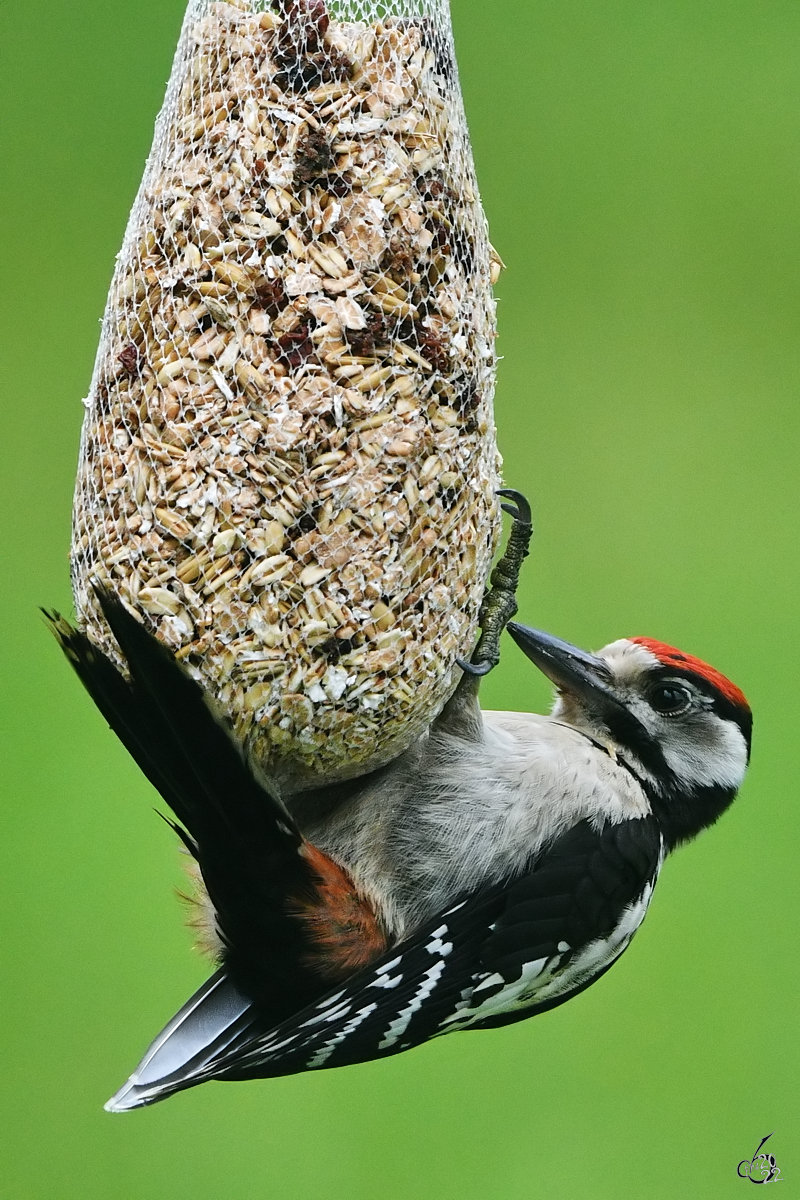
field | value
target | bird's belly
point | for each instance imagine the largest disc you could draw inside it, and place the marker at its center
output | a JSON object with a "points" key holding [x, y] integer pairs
{"points": [[472, 814]]}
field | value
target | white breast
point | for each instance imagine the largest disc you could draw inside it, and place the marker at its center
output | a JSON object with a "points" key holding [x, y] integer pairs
{"points": [[455, 815]]}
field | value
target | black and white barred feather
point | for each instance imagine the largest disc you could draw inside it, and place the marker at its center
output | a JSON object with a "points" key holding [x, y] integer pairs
{"points": [[495, 870], [491, 959]]}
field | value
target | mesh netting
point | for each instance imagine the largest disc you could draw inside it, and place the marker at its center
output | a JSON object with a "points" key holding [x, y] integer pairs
{"points": [[288, 458]]}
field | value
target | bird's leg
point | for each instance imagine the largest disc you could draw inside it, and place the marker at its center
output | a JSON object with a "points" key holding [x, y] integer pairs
{"points": [[461, 714], [500, 601]]}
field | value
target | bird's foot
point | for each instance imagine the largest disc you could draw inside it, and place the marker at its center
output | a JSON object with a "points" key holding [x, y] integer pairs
{"points": [[500, 602]]}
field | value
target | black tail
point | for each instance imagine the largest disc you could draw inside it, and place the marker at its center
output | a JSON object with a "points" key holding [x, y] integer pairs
{"points": [[253, 859]]}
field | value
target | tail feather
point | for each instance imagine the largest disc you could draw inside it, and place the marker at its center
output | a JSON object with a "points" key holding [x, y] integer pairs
{"points": [[119, 705], [216, 1018], [202, 752], [270, 889]]}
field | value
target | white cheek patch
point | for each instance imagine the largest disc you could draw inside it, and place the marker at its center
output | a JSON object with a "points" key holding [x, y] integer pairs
{"points": [[709, 753]]}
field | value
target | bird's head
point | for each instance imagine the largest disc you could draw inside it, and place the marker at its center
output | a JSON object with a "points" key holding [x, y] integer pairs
{"points": [[677, 723]]}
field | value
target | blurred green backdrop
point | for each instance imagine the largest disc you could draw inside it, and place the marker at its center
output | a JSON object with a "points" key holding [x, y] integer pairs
{"points": [[639, 166]]}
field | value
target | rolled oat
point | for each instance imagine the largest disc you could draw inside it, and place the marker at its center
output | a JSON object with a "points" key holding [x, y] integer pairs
{"points": [[288, 460]]}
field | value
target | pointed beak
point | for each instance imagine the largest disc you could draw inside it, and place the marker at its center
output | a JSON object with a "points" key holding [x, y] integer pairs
{"points": [[569, 668]]}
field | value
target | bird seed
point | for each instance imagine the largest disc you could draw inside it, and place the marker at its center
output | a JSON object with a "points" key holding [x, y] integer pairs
{"points": [[288, 461]]}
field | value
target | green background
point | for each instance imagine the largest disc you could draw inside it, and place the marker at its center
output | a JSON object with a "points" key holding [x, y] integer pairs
{"points": [[639, 165]]}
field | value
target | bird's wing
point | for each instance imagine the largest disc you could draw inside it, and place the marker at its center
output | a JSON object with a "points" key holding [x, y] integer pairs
{"points": [[498, 956], [289, 917], [147, 742], [566, 922]]}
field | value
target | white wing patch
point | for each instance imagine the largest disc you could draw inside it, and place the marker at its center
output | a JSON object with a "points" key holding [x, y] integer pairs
{"points": [[383, 978], [328, 1015], [386, 981], [324, 1052], [486, 995], [400, 1024], [546, 979], [437, 945], [329, 1000], [338, 1007]]}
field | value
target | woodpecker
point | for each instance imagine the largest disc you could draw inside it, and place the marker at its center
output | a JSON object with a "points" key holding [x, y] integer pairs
{"points": [[494, 870]]}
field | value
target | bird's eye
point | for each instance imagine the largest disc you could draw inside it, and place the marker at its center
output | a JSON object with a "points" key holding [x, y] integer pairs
{"points": [[670, 699]]}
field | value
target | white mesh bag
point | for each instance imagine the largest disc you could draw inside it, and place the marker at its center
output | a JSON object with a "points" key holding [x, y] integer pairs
{"points": [[288, 461]]}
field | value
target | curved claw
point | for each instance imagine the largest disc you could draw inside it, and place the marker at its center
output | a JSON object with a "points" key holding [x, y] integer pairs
{"points": [[474, 668], [520, 510]]}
